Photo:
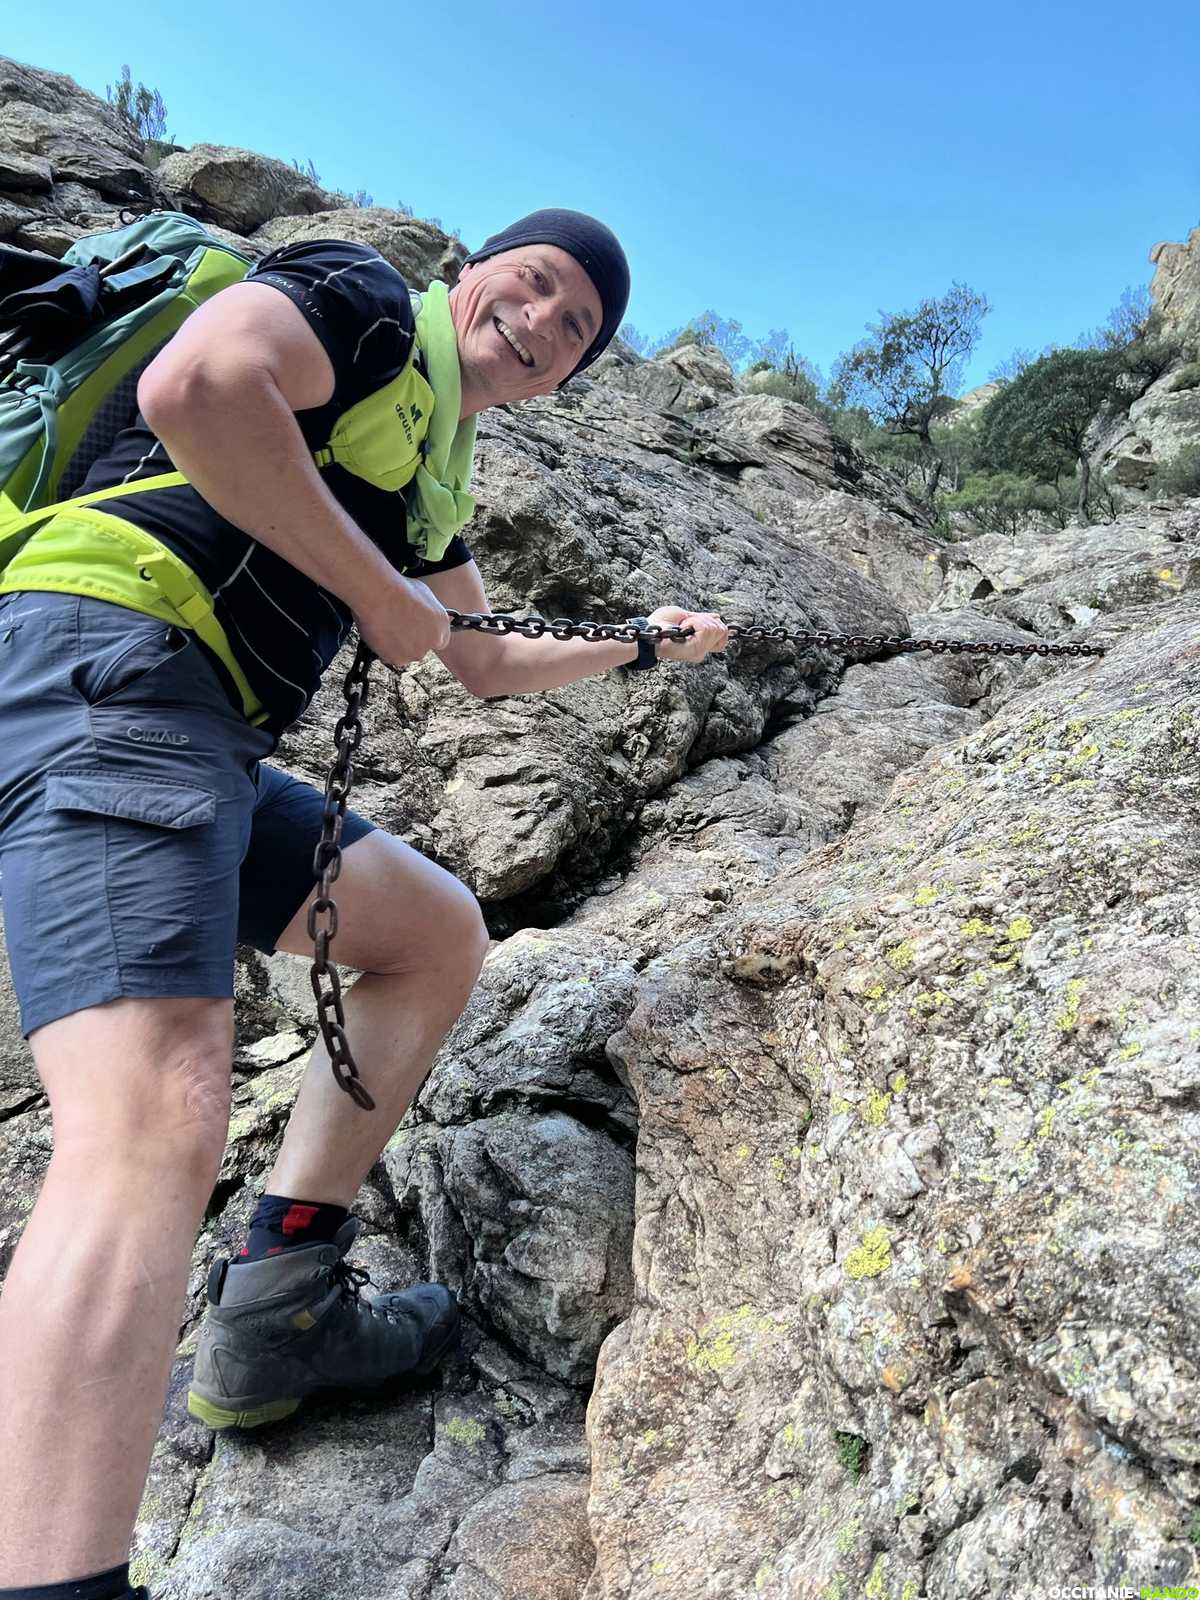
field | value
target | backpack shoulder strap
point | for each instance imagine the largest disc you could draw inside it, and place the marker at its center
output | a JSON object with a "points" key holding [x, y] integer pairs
{"points": [[17, 525]]}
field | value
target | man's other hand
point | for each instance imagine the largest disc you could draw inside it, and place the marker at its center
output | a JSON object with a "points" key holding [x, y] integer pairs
{"points": [[406, 622], [711, 633]]}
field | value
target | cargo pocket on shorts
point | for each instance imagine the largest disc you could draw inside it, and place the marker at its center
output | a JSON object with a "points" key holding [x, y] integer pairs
{"points": [[131, 851]]}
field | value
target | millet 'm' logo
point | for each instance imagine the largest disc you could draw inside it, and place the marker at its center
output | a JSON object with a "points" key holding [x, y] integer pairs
{"points": [[156, 736]]}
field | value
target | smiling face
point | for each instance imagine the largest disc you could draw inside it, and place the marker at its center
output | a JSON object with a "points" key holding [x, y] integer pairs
{"points": [[524, 320]]}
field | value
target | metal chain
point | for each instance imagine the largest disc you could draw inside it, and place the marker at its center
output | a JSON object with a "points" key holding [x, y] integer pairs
{"points": [[327, 863], [563, 628], [327, 858]]}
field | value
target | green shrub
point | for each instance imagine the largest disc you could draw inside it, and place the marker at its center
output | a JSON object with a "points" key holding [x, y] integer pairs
{"points": [[1150, 354], [1000, 502], [851, 1452], [800, 388], [1105, 502], [1189, 378], [942, 528], [141, 108], [903, 454], [681, 340], [848, 422], [956, 441], [1180, 475]]}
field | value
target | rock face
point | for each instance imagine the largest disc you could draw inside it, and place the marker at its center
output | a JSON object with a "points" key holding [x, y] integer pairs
{"points": [[909, 1039], [67, 159], [238, 189], [1166, 419], [816, 1159], [1176, 287], [693, 378], [975, 400]]}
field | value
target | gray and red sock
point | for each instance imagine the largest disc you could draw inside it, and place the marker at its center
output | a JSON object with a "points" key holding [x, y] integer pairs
{"points": [[281, 1224]]}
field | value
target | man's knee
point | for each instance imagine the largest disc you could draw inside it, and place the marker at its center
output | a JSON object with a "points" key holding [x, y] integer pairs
{"points": [[476, 941], [400, 913], [152, 1077], [454, 941]]}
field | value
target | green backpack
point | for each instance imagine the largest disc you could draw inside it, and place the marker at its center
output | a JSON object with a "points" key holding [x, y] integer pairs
{"points": [[75, 337], [68, 382]]}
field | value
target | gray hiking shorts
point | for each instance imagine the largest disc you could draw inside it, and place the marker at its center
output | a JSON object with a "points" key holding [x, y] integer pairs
{"points": [[141, 835]]}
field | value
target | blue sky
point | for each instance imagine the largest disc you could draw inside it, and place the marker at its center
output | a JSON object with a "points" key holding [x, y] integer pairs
{"points": [[791, 166]]}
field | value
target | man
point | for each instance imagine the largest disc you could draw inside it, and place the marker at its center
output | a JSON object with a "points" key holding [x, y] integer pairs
{"points": [[143, 835]]}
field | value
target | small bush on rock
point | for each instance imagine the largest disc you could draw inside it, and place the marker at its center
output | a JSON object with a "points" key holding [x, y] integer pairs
{"points": [[851, 1452], [795, 387]]}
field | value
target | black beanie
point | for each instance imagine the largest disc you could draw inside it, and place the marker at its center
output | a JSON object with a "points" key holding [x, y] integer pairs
{"points": [[597, 250]]}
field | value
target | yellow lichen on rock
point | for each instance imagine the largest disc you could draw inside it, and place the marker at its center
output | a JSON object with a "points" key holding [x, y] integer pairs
{"points": [[717, 1349], [466, 1432], [872, 1256], [1067, 1018], [877, 1584], [877, 1107]]}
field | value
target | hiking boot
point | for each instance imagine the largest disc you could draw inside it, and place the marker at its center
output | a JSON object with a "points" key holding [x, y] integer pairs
{"points": [[281, 1327]]}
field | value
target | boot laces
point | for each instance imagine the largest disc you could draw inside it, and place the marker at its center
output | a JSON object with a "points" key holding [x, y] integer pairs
{"points": [[351, 1280]]}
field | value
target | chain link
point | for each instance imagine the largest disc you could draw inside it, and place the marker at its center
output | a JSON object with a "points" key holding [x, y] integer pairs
{"points": [[327, 858]]}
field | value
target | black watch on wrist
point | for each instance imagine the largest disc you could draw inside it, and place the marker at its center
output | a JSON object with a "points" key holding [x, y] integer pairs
{"points": [[647, 655]]}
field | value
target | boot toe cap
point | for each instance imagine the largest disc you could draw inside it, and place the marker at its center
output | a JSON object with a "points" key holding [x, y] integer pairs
{"points": [[438, 1315]]}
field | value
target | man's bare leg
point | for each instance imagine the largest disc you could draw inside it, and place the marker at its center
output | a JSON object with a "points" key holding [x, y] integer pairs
{"points": [[418, 935], [92, 1306], [395, 1025]]}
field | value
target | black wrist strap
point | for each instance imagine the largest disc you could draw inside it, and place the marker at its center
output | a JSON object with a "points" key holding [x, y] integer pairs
{"points": [[647, 655]]}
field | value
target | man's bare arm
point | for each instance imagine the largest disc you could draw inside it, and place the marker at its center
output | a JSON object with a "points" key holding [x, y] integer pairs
{"points": [[221, 397], [491, 665]]}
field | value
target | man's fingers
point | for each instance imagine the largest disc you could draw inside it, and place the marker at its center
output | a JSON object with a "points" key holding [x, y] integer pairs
{"points": [[712, 633], [708, 632]]}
